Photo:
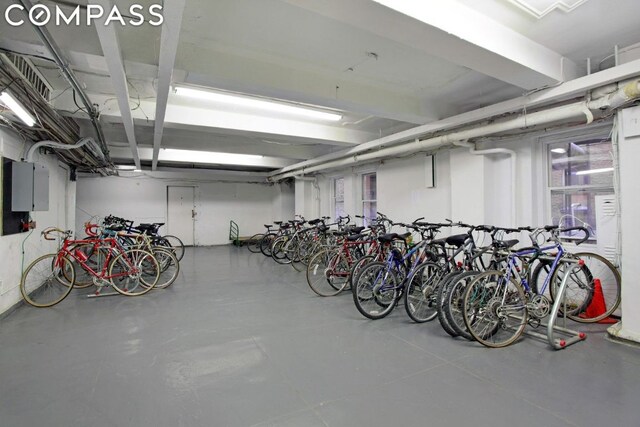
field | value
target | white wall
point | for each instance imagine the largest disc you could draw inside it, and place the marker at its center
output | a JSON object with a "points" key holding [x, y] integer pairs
{"points": [[142, 198], [629, 141], [60, 214]]}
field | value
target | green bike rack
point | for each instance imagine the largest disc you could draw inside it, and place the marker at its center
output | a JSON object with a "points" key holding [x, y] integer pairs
{"points": [[234, 233]]}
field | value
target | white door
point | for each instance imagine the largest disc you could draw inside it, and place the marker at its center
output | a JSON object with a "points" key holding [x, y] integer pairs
{"points": [[181, 212]]}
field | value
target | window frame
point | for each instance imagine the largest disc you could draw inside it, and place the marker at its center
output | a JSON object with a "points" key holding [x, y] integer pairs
{"points": [[333, 194], [601, 131], [362, 199]]}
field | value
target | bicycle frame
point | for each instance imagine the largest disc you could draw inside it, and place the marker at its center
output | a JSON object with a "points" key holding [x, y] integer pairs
{"points": [[113, 246]]}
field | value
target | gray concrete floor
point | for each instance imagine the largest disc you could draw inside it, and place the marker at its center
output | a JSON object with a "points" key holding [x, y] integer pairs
{"points": [[242, 341]]}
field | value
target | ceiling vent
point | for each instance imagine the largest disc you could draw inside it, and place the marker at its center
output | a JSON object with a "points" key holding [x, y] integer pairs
{"points": [[31, 75], [540, 8]]}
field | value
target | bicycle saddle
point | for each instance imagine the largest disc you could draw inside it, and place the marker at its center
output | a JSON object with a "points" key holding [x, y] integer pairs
{"points": [[456, 240], [354, 237], [505, 244], [388, 238]]}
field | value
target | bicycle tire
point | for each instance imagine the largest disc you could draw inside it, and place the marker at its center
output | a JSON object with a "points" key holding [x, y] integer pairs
{"points": [[278, 252], [134, 272], [453, 303], [358, 265], [254, 243], [176, 244], [421, 292], [486, 315], [375, 290], [169, 267], [265, 244], [324, 274], [43, 284], [442, 292], [581, 287]]}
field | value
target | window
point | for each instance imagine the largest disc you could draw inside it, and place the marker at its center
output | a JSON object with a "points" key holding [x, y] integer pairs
{"points": [[369, 198], [578, 173], [338, 197]]}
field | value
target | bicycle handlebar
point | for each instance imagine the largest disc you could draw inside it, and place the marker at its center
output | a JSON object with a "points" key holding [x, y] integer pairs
{"points": [[583, 229], [47, 231]]}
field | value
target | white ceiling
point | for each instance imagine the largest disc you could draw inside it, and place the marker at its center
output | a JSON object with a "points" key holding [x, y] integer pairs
{"points": [[383, 70]]}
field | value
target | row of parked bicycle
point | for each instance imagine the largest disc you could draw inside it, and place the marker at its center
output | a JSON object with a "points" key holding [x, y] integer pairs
{"points": [[483, 292], [132, 260]]}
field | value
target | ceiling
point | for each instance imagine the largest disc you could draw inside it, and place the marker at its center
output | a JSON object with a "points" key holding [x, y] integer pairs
{"points": [[384, 65]]}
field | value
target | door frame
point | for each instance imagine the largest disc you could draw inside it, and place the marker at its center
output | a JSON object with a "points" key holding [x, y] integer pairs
{"points": [[193, 217]]}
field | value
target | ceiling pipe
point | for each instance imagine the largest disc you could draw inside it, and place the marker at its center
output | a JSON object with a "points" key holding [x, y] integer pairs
{"points": [[67, 72], [60, 146], [576, 111], [513, 158], [536, 99]]}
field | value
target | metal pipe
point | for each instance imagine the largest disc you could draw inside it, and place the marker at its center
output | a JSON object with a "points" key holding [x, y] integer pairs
{"points": [[567, 112], [64, 66], [58, 145], [563, 113], [562, 92]]}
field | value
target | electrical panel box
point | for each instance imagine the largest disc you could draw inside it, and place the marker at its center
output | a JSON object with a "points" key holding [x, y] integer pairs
{"points": [[29, 187]]}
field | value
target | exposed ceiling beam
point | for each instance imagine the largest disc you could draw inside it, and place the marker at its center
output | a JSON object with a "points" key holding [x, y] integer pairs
{"points": [[200, 118], [169, 38], [453, 32], [204, 157], [113, 56]]}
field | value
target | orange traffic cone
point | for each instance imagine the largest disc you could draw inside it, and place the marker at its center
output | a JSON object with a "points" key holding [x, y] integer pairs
{"points": [[597, 306]]}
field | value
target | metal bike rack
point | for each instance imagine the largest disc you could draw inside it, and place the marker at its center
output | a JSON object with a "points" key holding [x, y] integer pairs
{"points": [[567, 336]]}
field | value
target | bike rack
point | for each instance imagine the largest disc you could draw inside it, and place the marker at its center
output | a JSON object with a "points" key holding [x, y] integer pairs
{"points": [[107, 294], [569, 335]]}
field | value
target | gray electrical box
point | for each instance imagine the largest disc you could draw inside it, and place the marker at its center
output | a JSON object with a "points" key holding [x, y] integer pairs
{"points": [[29, 187]]}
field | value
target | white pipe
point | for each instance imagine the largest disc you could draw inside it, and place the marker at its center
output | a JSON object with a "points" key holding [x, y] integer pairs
{"points": [[563, 113], [514, 169], [557, 114], [565, 91], [54, 144]]}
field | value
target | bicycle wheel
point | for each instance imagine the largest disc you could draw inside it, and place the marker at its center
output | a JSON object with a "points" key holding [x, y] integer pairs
{"points": [[278, 252], [169, 267], [375, 290], [134, 272], [254, 243], [584, 302], [358, 266], [265, 244], [47, 280], [327, 272], [494, 309], [452, 306], [175, 244], [302, 255], [441, 299], [420, 296]]}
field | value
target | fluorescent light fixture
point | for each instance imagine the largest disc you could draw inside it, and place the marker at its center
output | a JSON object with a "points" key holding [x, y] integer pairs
{"points": [[17, 108], [126, 167], [258, 103], [209, 157], [558, 150], [591, 171]]}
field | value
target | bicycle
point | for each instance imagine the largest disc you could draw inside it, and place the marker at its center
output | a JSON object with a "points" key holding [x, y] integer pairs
{"points": [[50, 278], [498, 304]]}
